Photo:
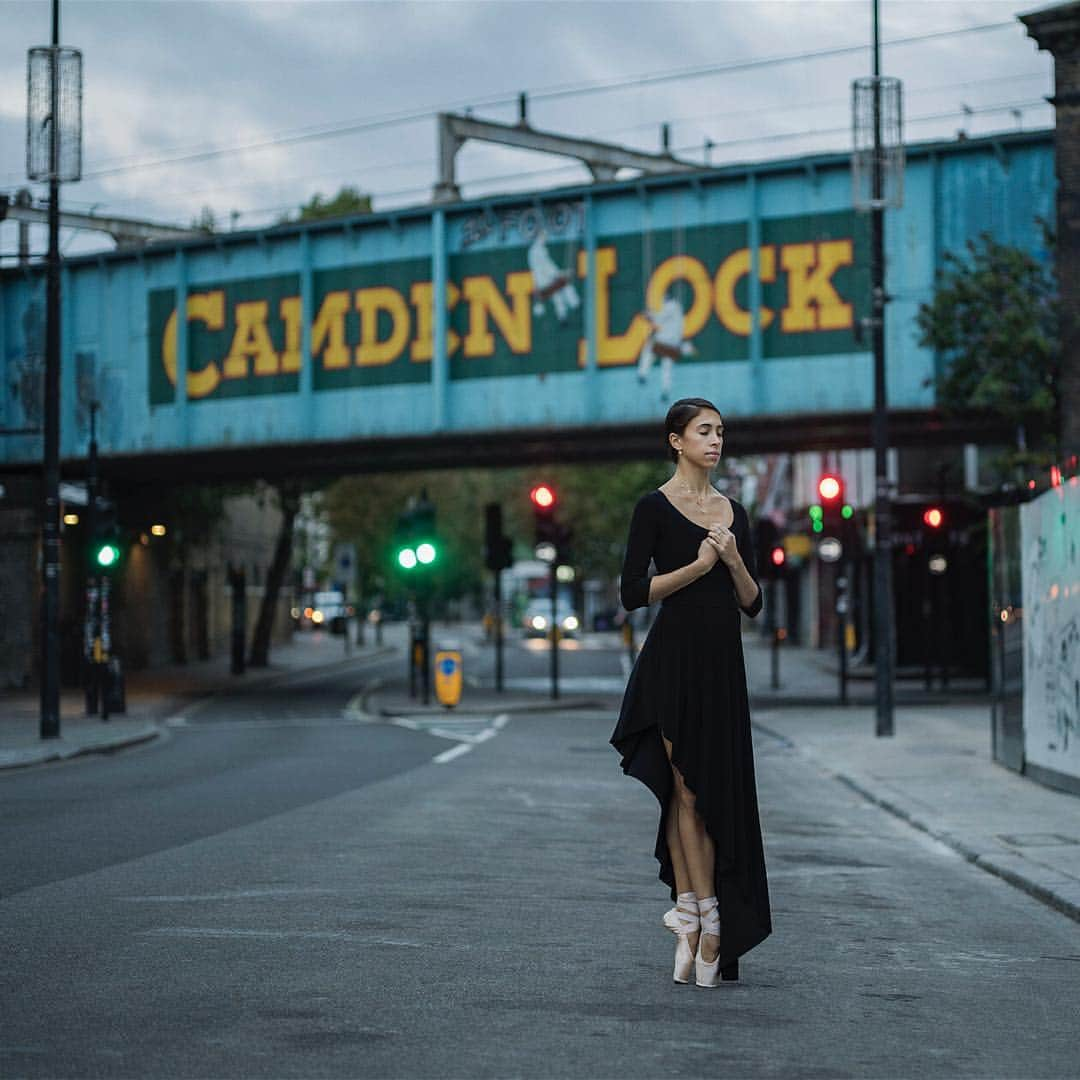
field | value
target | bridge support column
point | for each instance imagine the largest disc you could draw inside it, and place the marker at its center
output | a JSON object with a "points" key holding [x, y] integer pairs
{"points": [[592, 396], [439, 361], [307, 362], [753, 228], [180, 411]]}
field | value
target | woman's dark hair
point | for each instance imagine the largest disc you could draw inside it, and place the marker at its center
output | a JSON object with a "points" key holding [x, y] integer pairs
{"points": [[679, 415]]}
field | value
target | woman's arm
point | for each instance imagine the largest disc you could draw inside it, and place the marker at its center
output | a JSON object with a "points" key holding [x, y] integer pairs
{"points": [[742, 566], [662, 585], [637, 589], [634, 583]]}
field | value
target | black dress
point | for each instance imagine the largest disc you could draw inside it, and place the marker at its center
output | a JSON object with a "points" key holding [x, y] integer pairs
{"points": [[689, 682]]}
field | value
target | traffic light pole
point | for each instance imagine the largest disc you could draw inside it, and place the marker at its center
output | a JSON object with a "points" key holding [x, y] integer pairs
{"points": [[883, 597], [553, 578], [498, 632], [94, 687]]}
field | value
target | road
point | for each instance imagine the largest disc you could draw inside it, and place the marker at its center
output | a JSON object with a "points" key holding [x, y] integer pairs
{"points": [[275, 891]]}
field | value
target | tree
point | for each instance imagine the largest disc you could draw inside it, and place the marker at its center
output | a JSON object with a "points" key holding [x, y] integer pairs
{"points": [[348, 200], [206, 221], [288, 494], [995, 321]]}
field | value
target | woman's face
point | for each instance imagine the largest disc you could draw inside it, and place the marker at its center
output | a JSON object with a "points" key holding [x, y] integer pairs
{"points": [[702, 439]]}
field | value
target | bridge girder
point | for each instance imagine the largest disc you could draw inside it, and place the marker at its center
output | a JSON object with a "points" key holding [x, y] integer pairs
{"points": [[597, 443]]}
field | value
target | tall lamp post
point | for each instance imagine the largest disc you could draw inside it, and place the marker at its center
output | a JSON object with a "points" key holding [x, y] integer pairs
{"points": [[877, 173], [53, 153]]}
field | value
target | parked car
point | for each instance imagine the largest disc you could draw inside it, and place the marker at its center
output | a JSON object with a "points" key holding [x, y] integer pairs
{"points": [[536, 620]]}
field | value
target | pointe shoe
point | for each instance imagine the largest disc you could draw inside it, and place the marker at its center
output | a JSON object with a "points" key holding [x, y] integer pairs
{"points": [[684, 956], [684, 961], [707, 972], [711, 975], [671, 920]]}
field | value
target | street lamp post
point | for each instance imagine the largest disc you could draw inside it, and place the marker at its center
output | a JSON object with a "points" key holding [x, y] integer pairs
{"points": [[53, 153]]}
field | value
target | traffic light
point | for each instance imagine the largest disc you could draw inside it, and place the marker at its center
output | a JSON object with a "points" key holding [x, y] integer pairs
{"points": [[778, 559], [832, 512], [766, 539], [498, 549], [933, 517], [105, 554], [105, 549], [416, 541], [546, 530]]}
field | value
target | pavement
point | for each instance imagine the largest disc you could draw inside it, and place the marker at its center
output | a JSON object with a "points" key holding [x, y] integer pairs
{"points": [[936, 772]]}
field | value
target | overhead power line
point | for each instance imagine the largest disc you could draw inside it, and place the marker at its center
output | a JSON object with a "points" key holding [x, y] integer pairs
{"points": [[542, 94]]}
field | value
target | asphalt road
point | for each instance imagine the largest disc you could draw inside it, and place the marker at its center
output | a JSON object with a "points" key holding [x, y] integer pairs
{"points": [[236, 759], [319, 899]]}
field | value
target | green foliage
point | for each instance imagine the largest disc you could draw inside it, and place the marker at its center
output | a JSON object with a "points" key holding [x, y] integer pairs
{"points": [[348, 200], [206, 221], [994, 320], [595, 500]]}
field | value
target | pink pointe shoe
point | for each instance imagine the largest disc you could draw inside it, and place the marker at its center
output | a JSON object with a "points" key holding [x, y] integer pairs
{"points": [[684, 956], [709, 973]]}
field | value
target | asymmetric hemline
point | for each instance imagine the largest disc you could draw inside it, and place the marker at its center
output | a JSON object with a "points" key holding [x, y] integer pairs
{"points": [[688, 684]]}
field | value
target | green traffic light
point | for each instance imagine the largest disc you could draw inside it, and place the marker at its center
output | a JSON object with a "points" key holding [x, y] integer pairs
{"points": [[819, 525], [816, 513], [406, 558], [426, 553], [107, 555], [846, 511]]}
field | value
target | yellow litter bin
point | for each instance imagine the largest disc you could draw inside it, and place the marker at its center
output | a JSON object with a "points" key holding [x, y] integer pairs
{"points": [[448, 677]]}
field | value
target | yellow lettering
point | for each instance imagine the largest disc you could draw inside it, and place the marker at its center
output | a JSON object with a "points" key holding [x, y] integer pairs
{"points": [[250, 339], [682, 268], [289, 309], [485, 301], [369, 302], [732, 269], [421, 296], [610, 348], [329, 329], [813, 303], [209, 309]]}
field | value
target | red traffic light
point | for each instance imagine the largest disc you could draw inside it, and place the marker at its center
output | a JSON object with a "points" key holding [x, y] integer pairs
{"points": [[543, 497], [934, 517], [778, 556], [829, 488]]}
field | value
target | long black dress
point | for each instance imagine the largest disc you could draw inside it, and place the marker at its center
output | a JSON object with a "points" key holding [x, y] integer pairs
{"points": [[689, 682]]}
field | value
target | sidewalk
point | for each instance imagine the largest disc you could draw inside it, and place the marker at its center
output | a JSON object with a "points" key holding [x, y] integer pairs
{"points": [[936, 773], [155, 695]]}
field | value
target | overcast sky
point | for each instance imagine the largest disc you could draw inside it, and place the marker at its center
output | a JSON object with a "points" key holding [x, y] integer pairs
{"points": [[169, 78]]}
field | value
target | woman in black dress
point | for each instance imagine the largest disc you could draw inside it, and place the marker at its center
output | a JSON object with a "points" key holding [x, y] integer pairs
{"points": [[684, 725]]}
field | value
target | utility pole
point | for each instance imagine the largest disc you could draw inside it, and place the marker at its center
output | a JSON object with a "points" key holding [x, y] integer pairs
{"points": [[50, 525], [884, 627], [877, 172], [53, 154]]}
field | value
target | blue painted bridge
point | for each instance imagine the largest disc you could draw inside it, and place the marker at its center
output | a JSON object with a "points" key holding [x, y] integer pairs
{"points": [[556, 324]]}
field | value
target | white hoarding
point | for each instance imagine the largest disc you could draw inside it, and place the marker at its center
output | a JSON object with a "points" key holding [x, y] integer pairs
{"points": [[1050, 535]]}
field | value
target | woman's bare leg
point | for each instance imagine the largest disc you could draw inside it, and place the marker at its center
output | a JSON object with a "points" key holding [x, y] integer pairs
{"points": [[675, 849], [698, 851]]}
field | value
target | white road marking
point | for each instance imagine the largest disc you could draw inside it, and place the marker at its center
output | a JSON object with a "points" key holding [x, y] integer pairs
{"points": [[453, 752]]}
